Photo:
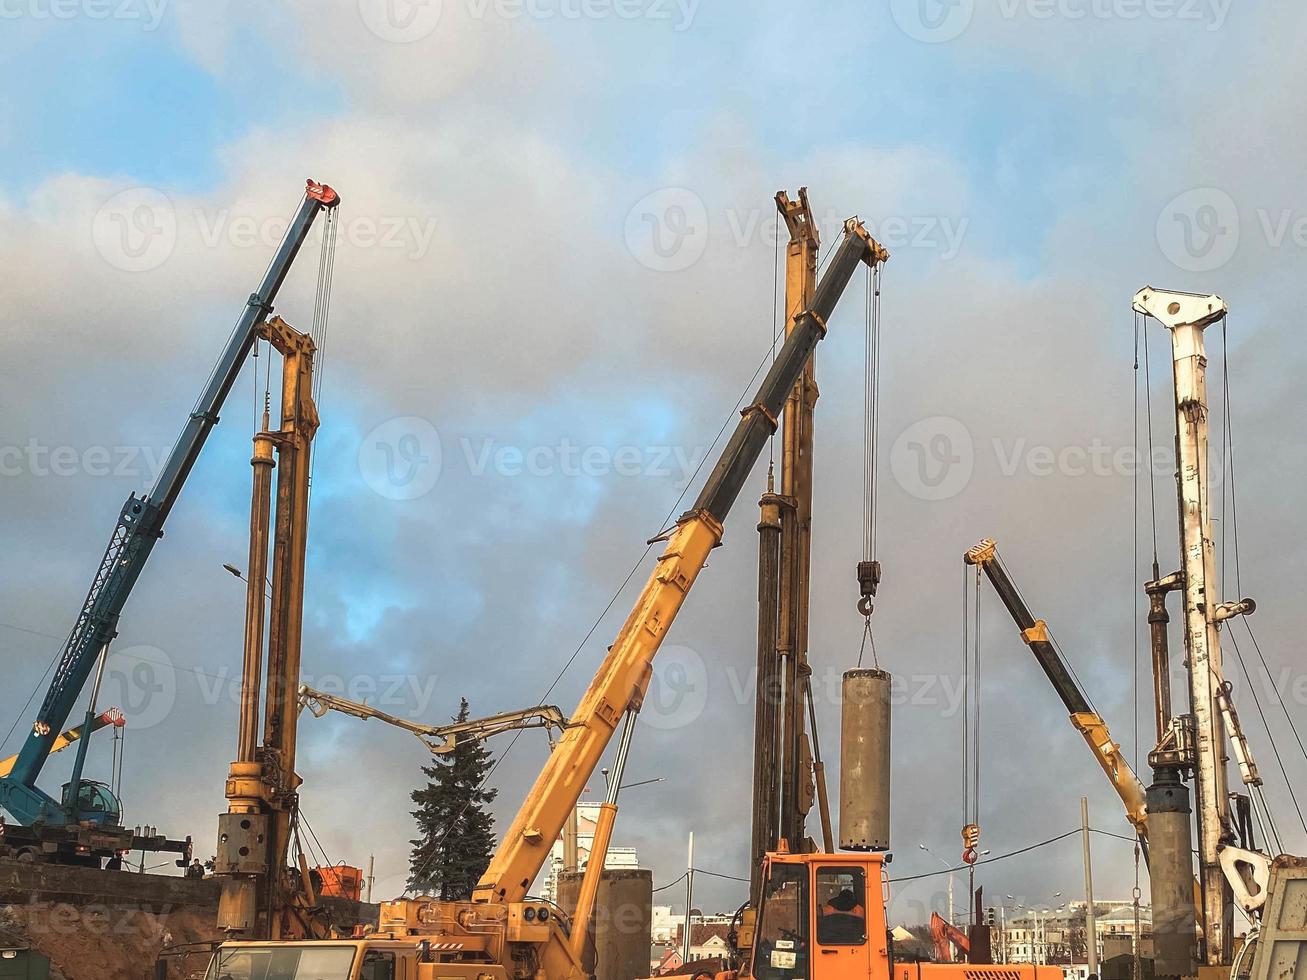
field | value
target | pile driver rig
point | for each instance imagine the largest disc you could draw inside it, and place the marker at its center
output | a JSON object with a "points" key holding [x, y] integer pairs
{"points": [[1193, 747], [261, 895], [84, 824], [1193, 918]]}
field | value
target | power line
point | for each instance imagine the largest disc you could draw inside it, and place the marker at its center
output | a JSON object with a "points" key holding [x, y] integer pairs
{"points": [[990, 860], [717, 874], [672, 884]]}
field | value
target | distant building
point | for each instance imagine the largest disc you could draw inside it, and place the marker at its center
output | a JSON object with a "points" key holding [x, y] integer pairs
{"points": [[1058, 936], [709, 943], [664, 924], [707, 939], [587, 815]]}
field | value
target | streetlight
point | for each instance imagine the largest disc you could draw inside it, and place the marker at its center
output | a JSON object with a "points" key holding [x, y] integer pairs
{"points": [[950, 880], [267, 585], [1041, 931]]}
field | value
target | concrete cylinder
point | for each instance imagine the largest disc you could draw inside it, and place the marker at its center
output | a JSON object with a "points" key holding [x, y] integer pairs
{"points": [[865, 761], [1171, 877], [622, 926]]}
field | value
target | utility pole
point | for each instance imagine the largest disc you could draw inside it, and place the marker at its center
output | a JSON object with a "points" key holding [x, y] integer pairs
{"points": [[689, 902], [1091, 924], [1187, 315], [951, 920], [372, 867]]}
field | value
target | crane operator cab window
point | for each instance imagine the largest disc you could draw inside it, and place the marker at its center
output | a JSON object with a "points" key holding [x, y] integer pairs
{"points": [[841, 899], [377, 966], [96, 802], [281, 963], [781, 948]]}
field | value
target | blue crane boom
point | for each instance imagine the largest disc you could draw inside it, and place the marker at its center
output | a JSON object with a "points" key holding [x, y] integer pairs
{"points": [[139, 526]]}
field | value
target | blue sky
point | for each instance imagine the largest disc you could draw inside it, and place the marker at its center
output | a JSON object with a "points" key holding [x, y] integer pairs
{"points": [[1029, 172]]}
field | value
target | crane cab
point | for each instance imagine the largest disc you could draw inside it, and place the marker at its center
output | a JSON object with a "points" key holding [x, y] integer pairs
{"points": [[822, 917], [96, 804]]}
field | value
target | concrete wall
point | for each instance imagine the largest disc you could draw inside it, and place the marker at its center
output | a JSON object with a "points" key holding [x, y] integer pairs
{"points": [[30, 882]]}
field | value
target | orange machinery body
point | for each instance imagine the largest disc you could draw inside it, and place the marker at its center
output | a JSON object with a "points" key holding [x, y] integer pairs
{"points": [[340, 881], [823, 918]]}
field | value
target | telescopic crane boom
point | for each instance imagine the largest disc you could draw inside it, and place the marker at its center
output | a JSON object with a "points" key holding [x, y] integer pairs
{"points": [[139, 526], [623, 678], [1088, 722], [439, 739]]}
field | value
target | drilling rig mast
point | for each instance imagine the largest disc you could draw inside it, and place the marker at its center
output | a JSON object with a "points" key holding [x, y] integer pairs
{"points": [[261, 896], [1211, 720]]}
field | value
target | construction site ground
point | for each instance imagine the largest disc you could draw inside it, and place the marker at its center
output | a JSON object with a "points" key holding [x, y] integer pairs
{"points": [[112, 925]]}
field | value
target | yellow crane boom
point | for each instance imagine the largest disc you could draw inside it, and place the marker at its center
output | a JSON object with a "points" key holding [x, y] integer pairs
{"points": [[1087, 721], [623, 678]]}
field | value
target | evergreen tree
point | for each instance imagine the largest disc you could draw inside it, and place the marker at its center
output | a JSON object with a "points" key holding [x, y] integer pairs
{"points": [[457, 835]]}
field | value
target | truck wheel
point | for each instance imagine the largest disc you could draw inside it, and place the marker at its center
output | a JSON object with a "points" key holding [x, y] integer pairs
{"points": [[26, 855]]}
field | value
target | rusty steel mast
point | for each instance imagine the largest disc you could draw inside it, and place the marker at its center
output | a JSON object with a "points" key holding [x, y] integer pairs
{"points": [[262, 897], [785, 763]]}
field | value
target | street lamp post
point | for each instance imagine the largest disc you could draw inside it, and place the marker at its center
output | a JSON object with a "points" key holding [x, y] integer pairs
{"points": [[951, 920]]}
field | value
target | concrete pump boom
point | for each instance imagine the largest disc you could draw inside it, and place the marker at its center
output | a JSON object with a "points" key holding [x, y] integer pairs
{"points": [[1087, 721], [439, 739]]}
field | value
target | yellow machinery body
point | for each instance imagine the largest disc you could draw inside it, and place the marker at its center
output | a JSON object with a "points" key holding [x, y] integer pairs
{"points": [[822, 918]]}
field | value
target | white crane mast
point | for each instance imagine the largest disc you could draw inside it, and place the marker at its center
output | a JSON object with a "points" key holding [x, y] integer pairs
{"points": [[1187, 315]]}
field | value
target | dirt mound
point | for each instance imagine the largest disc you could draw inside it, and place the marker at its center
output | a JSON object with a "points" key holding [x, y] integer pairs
{"points": [[106, 942]]}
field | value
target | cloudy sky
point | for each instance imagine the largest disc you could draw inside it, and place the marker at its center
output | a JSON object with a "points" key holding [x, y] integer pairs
{"points": [[554, 280]]}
